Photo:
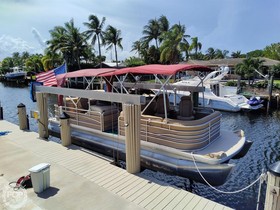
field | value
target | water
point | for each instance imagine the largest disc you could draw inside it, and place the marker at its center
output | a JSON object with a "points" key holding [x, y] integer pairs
{"points": [[259, 127]]}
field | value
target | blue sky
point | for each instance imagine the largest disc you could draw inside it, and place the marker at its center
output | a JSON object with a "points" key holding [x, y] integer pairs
{"points": [[225, 24]]}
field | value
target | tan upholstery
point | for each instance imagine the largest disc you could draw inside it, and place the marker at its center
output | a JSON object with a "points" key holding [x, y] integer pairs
{"points": [[186, 108]]}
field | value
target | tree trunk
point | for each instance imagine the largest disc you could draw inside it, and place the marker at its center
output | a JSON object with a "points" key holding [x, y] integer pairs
{"points": [[99, 48], [116, 56]]}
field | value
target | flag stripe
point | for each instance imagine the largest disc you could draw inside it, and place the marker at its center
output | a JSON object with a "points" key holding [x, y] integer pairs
{"points": [[49, 77]]}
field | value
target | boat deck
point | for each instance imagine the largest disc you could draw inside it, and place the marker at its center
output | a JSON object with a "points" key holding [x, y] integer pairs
{"points": [[81, 179]]}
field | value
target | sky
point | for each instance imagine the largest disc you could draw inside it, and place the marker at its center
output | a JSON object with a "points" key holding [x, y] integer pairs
{"points": [[243, 25]]}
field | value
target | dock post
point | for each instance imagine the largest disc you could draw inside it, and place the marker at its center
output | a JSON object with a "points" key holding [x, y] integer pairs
{"points": [[22, 117], [272, 199], [270, 88], [132, 137], [277, 100], [65, 129], [42, 105], [1, 112]]}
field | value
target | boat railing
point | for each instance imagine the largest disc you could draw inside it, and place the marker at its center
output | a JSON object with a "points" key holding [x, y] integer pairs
{"points": [[102, 118], [179, 134]]}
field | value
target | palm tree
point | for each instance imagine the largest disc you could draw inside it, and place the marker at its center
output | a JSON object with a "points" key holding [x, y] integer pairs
{"points": [[173, 42], [225, 53], [196, 45], [112, 38], [69, 41], [184, 45], [95, 31], [210, 53], [219, 54], [137, 46], [34, 63], [236, 54], [163, 26], [247, 68], [56, 43], [151, 31], [17, 59], [76, 42]]}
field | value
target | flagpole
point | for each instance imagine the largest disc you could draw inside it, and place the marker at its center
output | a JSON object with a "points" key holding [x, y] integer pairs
{"points": [[66, 70]]}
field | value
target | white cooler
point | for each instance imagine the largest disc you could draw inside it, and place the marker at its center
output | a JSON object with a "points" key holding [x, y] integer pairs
{"points": [[40, 177]]}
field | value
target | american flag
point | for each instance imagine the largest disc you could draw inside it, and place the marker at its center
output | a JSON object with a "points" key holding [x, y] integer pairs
{"points": [[49, 78]]}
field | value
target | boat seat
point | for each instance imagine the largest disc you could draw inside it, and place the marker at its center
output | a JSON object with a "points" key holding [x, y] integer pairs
{"points": [[160, 105], [151, 109], [186, 108]]}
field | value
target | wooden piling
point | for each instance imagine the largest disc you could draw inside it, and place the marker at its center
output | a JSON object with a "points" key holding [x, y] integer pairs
{"points": [[1, 112], [42, 105], [22, 117], [272, 199], [270, 87], [277, 100], [65, 130], [132, 137]]}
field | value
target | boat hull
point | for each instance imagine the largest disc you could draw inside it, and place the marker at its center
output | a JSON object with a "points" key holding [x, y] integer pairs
{"points": [[215, 174]]}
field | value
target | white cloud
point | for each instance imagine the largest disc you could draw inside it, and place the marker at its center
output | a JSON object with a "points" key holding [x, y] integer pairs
{"points": [[9, 45]]}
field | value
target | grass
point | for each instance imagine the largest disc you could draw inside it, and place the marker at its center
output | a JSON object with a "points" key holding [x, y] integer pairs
{"points": [[276, 82]]}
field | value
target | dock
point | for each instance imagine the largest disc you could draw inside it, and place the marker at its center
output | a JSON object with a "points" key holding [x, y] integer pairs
{"points": [[82, 179]]}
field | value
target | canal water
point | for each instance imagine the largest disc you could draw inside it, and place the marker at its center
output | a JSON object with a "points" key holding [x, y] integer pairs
{"points": [[263, 129]]}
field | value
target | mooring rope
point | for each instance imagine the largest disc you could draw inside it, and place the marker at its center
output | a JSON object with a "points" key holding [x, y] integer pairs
{"points": [[227, 192]]}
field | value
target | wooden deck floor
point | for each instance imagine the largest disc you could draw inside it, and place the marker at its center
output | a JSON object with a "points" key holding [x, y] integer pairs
{"points": [[138, 189]]}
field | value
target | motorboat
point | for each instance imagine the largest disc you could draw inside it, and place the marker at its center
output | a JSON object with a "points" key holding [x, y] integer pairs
{"points": [[216, 95], [16, 74], [181, 140]]}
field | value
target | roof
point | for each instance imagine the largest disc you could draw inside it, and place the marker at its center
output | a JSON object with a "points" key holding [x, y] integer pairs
{"points": [[230, 62], [111, 65]]}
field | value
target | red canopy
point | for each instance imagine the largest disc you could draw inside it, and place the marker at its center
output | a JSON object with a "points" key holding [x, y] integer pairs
{"points": [[84, 73], [146, 69], [158, 69]]}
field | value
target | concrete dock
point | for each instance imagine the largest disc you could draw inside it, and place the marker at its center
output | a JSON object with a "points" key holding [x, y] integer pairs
{"points": [[81, 179]]}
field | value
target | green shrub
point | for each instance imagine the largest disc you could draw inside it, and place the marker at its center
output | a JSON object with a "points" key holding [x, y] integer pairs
{"points": [[261, 84], [234, 83]]}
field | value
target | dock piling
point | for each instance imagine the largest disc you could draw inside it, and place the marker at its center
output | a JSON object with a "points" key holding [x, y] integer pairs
{"points": [[277, 100], [272, 199], [22, 117], [270, 87], [1, 112], [43, 115], [65, 129], [132, 137]]}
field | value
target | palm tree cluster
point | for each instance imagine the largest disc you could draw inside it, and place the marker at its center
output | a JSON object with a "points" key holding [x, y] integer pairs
{"points": [[73, 45], [247, 69], [163, 44]]}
